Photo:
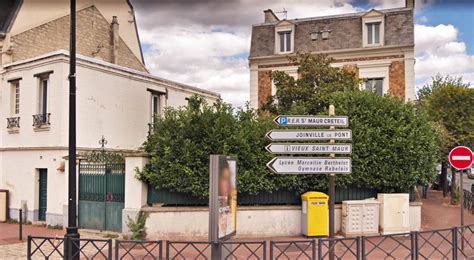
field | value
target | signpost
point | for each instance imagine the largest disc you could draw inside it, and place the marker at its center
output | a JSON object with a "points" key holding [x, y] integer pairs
{"points": [[295, 164], [303, 148], [461, 158], [309, 165], [312, 121], [308, 135]]}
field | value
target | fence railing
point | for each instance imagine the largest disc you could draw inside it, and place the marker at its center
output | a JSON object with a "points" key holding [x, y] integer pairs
{"points": [[451, 243], [468, 200]]}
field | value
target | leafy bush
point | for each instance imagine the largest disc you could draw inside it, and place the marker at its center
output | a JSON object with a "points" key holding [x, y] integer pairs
{"points": [[184, 138], [137, 226], [395, 147]]}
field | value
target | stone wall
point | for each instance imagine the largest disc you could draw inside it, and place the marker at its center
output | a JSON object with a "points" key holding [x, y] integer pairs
{"points": [[397, 79], [264, 86], [94, 39]]}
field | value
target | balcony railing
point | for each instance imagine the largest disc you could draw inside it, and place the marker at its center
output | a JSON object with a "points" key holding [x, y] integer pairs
{"points": [[41, 120], [13, 122]]}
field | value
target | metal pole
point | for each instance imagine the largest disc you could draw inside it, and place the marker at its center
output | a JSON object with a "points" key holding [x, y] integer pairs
{"points": [[332, 193], [20, 227], [461, 197], [462, 209], [71, 230]]}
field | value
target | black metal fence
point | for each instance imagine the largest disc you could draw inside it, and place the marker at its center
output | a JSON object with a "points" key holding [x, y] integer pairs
{"points": [[451, 243], [468, 200]]}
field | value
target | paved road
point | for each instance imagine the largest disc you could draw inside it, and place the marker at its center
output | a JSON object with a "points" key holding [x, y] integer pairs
{"points": [[466, 181]]}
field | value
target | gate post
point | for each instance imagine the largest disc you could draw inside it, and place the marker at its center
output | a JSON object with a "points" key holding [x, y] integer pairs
{"points": [[454, 231], [136, 191]]}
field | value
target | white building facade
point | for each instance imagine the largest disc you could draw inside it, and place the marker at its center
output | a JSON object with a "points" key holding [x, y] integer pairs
{"points": [[116, 98]]}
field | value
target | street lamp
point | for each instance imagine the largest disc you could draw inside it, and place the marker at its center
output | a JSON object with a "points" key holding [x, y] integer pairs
{"points": [[72, 249]]}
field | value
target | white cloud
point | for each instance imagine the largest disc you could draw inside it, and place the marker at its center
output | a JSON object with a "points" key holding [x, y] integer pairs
{"points": [[439, 50], [205, 43]]}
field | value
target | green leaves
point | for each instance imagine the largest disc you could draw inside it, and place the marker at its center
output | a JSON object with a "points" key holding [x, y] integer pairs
{"points": [[450, 103]]}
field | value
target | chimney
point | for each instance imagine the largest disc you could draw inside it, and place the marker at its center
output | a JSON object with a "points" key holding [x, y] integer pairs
{"points": [[270, 17], [115, 39], [410, 4]]}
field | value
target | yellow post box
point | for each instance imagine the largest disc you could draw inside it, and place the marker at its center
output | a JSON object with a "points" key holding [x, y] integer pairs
{"points": [[315, 214]]}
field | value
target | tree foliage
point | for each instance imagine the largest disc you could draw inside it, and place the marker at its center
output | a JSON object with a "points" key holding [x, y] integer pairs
{"points": [[317, 81], [450, 103]]}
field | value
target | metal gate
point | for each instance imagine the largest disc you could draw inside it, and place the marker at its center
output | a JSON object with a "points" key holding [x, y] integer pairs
{"points": [[101, 191], [43, 194]]}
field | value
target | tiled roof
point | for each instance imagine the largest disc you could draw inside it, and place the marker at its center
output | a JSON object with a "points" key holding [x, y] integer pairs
{"points": [[345, 32]]}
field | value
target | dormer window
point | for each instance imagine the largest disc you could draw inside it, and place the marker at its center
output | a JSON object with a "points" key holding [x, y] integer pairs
{"points": [[284, 37], [373, 33], [285, 41], [373, 29]]}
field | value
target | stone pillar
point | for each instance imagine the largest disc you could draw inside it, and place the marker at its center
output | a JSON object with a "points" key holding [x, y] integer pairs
{"points": [[135, 190]]}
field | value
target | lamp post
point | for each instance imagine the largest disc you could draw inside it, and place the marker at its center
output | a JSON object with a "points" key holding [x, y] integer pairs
{"points": [[71, 249]]}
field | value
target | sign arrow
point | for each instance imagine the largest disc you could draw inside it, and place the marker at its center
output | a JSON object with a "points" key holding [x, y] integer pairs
{"points": [[305, 135], [310, 165], [312, 120], [302, 148]]}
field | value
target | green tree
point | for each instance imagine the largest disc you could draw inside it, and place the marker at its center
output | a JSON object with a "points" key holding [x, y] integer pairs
{"points": [[309, 94], [450, 103]]}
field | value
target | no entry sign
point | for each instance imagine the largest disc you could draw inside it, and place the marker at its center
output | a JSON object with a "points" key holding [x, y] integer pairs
{"points": [[461, 157]]}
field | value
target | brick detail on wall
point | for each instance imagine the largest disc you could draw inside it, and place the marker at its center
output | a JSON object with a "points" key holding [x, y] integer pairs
{"points": [[352, 68], [397, 79], [264, 86], [94, 39]]}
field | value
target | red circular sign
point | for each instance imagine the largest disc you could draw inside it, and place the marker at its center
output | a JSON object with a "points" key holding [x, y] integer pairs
{"points": [[461, 157]]}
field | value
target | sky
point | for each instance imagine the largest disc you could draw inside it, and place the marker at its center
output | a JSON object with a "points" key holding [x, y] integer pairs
{"points": [[206, 43]]}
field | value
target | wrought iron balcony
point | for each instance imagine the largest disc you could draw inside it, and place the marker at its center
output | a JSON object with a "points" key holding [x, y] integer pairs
{"points": [[151, 128], [13, 122], [41, 120]]}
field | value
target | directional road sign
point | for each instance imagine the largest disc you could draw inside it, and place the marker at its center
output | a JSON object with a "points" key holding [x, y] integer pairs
{"points": [[307, 148], [310, 165], [307, 135], [461, 157], [312, 120]]}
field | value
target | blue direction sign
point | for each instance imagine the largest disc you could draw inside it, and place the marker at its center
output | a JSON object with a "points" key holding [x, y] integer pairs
{"points": [[283, 120]]}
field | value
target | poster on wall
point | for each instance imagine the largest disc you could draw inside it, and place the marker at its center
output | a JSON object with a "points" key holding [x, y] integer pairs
{"points": [[222, 197]]}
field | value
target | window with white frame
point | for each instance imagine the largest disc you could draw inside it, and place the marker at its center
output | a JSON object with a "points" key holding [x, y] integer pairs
{"points": [[43, 95], [15, 97], [373, 33], [155, 106], [373, 28], [284, 38], [375, 85]]}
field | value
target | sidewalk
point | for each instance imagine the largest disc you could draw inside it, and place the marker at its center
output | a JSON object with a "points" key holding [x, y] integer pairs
{"points": [[437, 212]]}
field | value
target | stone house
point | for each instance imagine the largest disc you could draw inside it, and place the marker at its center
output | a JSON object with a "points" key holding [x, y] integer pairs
{"points": [[378, 45], [116, 95]]}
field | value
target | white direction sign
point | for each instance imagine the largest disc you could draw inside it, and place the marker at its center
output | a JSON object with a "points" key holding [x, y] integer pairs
{"points": [[306, 135], [310, 165], [312, 120], [302, 148]]}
